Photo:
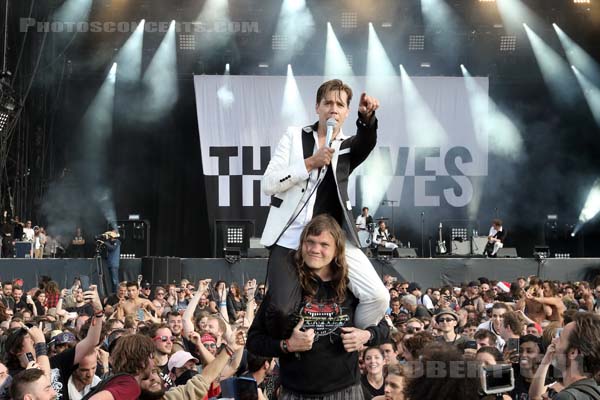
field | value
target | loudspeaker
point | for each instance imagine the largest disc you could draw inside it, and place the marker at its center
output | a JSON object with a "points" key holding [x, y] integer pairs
{"points": [[407, 253], [259, 252], [461, 248], [23, 249], [507, 252], [161, 270]]}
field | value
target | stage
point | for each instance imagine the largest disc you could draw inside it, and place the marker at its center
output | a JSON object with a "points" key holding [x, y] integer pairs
{"points": [[429, 272]]}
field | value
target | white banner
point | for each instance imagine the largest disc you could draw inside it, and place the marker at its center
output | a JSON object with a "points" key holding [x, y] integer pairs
{"points": [[426, 135]]}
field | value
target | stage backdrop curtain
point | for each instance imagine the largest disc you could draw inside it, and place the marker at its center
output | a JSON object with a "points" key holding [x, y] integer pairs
{"points": [[429, 151]]}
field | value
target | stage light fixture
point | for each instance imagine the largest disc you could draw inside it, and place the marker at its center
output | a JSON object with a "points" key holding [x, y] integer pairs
{"points": [[263, 65], [187, 42], [279, 42], [582, 1], [349, 20], [508, 43], [8, 102], [416, 42], [3, 120], [487, 1]]}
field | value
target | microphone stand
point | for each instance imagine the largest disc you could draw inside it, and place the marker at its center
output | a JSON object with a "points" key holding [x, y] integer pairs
{"points": [[391, 204], [423, 234]]}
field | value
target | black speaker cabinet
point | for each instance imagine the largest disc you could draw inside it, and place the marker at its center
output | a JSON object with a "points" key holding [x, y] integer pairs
{"points": [[161, 271], [407, 253]]}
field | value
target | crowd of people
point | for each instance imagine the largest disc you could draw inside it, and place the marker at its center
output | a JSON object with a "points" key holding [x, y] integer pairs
{"points": [[38, 243], [187, 340], [323, 326]]}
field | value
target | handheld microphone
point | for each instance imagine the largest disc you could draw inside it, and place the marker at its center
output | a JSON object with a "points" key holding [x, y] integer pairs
{"points": [[331, 123]]}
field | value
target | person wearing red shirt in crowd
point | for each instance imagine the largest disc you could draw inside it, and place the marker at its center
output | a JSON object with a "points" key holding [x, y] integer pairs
{"points": [[134, 356]]}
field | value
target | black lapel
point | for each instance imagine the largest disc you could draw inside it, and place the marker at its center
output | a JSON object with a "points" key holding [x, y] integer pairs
{"points": [[308, 140]]}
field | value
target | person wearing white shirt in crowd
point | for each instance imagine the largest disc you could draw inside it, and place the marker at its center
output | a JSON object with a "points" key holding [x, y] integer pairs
{"points": [[28, 232], [415, 289], [382, 237], [84, 377], [364, 219]]}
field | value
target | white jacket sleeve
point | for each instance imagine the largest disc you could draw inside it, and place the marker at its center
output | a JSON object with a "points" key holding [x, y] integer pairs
{"points": [[284, 170]]}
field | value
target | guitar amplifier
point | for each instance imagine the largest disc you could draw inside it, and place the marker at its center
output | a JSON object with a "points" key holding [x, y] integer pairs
{"points": [[479, 243], [461, 248]]}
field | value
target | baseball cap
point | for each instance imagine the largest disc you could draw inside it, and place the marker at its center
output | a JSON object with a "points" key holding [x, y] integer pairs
{"points": [[64, 338], [179, 359], [146, 285], [474, 284]]}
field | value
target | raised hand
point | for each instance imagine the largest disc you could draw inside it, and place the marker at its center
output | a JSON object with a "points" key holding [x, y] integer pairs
{"points": [[367, 105]]}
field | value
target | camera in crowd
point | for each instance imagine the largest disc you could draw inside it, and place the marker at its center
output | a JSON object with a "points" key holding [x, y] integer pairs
{"points": [[497, 379]]}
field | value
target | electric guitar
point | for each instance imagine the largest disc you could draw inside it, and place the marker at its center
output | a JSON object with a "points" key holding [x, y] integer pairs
{"points": [[440, 248]]}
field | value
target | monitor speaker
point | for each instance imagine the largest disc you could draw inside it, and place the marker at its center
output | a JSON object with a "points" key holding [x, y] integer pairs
{"points": [[161, 270], [507, 252]]}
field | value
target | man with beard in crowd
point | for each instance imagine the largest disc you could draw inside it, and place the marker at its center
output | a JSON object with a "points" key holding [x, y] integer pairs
{"points": [[133, 359], [576, 353], [197, 386], [32, 384], [84, 377], [163, 341]]}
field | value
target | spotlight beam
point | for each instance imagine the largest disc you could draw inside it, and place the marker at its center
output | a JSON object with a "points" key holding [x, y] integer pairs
{"points": [[296, 24], [160, 78], [494, 129], [73, 11], [591, 93], [440, 18], [591, 206], [293, 111], [514, 14], [380, 70], [555, 70], [130, 55], [336, 62], [578, 57], [423, 128]]}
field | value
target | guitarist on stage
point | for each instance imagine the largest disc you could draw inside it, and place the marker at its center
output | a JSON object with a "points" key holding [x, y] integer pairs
{"points": [[383, 238], [495, 238]]}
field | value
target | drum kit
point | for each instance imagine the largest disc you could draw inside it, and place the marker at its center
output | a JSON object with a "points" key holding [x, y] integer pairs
{"points": [[365, 236]]}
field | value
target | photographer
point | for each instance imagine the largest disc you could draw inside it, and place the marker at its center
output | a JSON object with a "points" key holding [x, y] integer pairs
{"points": [[110, 241]]}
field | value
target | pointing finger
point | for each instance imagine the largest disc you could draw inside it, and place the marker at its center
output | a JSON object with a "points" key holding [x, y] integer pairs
{"points": [[299, 324]]}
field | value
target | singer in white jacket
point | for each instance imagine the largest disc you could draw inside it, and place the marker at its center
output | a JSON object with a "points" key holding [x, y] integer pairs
{"points": [[308, 176]]}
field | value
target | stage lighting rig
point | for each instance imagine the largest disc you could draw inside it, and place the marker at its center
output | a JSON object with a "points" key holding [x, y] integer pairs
{"points": [[349, 20], [416, 42], [8, 101], [508, 43]]}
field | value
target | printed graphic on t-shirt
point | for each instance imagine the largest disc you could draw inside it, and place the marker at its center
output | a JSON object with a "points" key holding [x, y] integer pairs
{"points": [[324, 316], [56, 382]]}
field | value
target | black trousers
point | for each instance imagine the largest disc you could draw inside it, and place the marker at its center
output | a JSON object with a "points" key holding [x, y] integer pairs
{"points": [[284, 291]]}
